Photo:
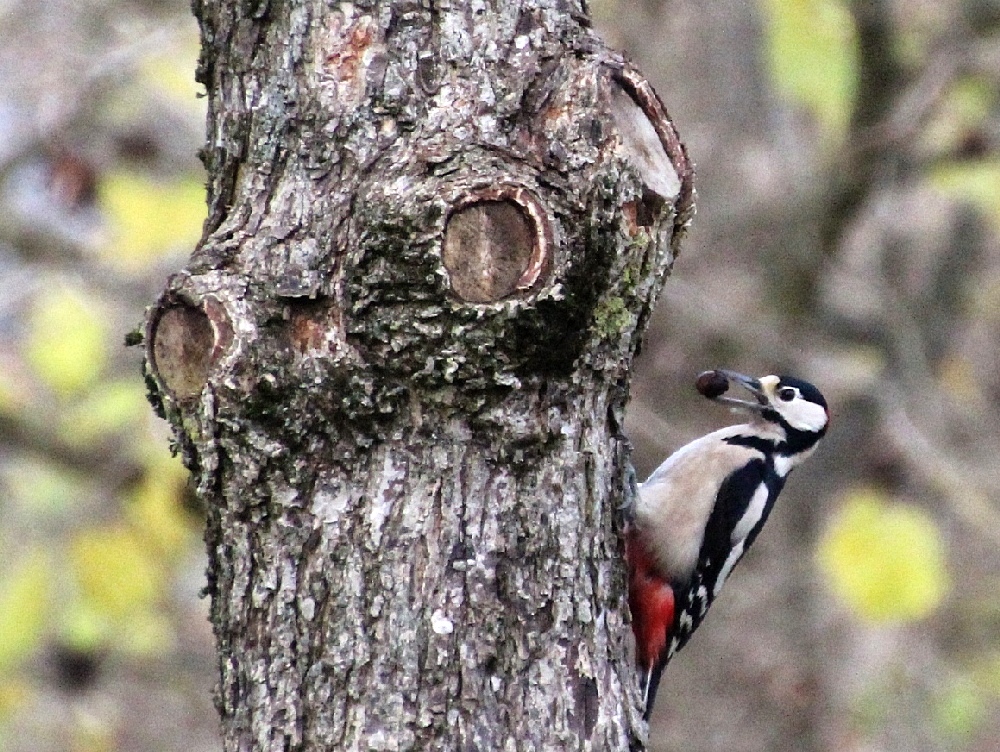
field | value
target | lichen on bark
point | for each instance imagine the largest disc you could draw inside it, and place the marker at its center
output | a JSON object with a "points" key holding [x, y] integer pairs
{"points": [[413, 460]]}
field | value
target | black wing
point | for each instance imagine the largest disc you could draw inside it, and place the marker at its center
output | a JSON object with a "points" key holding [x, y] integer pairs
{"points": [[694, 596]]}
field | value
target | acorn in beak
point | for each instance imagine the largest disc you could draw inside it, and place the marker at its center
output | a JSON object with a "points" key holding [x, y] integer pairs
{"points": [[714, 384]]}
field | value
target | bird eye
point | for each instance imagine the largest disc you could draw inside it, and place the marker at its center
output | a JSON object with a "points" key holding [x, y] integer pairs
{"points": [[786, 394]]}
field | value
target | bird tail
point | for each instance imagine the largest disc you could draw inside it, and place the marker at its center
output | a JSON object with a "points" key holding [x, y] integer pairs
{"points": [[644, 682], [649, 682]]}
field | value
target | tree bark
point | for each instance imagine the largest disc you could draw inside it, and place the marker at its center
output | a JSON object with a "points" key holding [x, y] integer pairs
{"points": [[397, 365]]}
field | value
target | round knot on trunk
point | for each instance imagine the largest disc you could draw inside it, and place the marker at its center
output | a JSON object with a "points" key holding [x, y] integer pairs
{"points": [[186, 342], [496, 244]]}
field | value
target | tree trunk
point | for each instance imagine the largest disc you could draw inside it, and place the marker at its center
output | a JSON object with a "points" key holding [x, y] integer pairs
{"points": [[397, 364]]}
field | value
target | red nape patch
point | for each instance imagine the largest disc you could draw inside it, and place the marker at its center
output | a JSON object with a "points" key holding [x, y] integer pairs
{"points": [[651, 601]]}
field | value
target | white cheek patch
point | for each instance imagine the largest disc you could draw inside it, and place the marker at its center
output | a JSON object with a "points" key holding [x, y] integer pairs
{"points": [[804, 415]]}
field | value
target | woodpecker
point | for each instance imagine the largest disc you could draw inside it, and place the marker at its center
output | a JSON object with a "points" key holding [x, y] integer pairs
{"points": [[700, 511]]}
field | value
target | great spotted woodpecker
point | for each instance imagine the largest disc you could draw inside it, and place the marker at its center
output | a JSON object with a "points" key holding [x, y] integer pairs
{"points": [[700, 511]]}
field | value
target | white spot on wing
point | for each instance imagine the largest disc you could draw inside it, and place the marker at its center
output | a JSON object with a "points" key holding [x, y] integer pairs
{"points": [[686, 622]]}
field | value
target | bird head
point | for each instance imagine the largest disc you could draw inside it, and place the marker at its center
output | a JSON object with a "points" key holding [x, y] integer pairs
{"points": [[789, 402]]}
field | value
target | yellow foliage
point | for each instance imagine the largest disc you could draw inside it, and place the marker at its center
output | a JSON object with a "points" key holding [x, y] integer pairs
{"points": [[66, 341], [964, 107], [147, 634], [42, 487], [14, 694], [117, 575], [812, 51], [120, 571], [110, 407], [82, 626], [155, 509], [884, 560], [173, 72], [88, 624], [150, 218], [24, 607], [976, 182]]}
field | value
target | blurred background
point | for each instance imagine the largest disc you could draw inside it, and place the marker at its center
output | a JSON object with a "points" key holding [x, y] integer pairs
{"points": [[847, 232]]}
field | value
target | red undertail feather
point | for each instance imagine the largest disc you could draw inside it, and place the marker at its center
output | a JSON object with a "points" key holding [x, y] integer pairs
{"points": [[651, 601]]}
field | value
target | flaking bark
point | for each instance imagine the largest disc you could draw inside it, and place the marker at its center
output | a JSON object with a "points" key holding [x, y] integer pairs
{"points": [[397, 365]]}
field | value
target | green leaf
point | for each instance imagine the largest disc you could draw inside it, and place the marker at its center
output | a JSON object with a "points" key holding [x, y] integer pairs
{"points": [[884, 560], [150, 217], [67, 341], [813, 56], [24, 607], [959, 709]]}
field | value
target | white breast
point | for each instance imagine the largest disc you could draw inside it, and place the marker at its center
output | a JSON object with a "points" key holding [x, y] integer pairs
{"points": [[676, 500]]}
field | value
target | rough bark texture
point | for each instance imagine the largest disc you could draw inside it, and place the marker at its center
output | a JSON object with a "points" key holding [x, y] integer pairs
{"points": [[397, 365]]}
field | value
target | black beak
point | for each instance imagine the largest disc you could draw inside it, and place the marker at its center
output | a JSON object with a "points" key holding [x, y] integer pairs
{"points": [[749, 383]]}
